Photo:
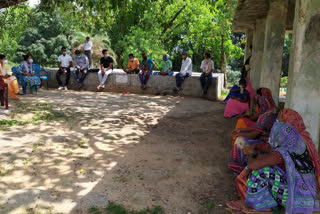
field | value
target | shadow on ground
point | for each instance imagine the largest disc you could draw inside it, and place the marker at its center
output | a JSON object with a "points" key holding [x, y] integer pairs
{"points": [[135, 150]]}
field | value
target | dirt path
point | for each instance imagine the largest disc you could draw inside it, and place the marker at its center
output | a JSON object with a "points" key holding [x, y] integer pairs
{"points": [[138, 151]]}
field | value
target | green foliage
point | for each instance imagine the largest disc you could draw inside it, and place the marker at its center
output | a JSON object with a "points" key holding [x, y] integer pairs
{"points": [[286, 54], [114, 208], [284, 82], [43, 38]]}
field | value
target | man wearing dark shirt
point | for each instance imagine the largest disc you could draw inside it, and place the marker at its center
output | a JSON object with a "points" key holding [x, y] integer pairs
{"points": [[106, 68]]}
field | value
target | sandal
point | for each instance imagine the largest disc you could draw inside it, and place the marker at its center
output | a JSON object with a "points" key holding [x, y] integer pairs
{"points": [[252, 211], [234, 206]]}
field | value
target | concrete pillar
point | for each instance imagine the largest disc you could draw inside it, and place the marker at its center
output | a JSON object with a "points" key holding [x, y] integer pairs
{"points": [[249, 38], [273, 46], [257, 52], [303, 94]]}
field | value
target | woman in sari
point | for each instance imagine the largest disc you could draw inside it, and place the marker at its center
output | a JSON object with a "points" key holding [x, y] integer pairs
{"points": [[256, 134], [283, 177], [28, 74], [239, 100], [12, 82]]}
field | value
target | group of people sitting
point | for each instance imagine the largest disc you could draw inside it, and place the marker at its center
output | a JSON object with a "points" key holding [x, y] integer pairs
{"points": [[272, 155], [81, 64], [144, 68]]}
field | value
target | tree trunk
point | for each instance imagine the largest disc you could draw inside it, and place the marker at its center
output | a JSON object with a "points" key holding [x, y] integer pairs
{"points": [[225, 71]]}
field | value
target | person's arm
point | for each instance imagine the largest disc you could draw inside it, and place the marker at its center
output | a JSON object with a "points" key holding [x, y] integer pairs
{"points": [[271, 159], [153, 65], [234, 90], [250, 133], [138, 64], [59, 65], [70, 64], [201, 67], [110, 64]]}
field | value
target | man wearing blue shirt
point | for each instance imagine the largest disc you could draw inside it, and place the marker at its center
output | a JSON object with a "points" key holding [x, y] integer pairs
{"points": [[146, 67]]}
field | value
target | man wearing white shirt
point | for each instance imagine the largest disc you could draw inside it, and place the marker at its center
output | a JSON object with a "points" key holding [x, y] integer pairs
{"points": [[207, 67], [64, 64], [87, 46], [185, 71]]}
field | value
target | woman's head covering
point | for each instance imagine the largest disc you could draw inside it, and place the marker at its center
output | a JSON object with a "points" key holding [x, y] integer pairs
{"points": [[286, 140], [265, 100], [293, 118], [265, 122], [266, 92]]}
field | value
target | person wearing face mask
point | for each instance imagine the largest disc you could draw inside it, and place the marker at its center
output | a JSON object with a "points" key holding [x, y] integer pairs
{"points": [[81, 64], [146, 66], [12, 82], [133, 65], [64, 63], [106, 68], [245, 71], [28, 74], [166, 66], [206, 67], [185, 71]]}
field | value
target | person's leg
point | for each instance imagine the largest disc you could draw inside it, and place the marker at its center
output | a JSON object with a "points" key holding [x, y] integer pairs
{"points": [[136, 71], [105, 77], [76, 74], [146, 77], [208, 82], [141, 77], [203, 81], [90, 59], [67, 77], [179, 80], [58, 74], [84, 74], [100, 77], [11, 90]]}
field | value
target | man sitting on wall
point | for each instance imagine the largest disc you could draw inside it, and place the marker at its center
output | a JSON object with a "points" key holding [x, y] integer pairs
{"points": [[166, 66], [146, 66], [81, 64], [133, 65], [64, 64], [106, 68], [185, 71]]}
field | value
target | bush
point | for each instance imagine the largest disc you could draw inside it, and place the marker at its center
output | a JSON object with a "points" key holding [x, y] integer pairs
{"points": [[284, 82], [233, 76]]}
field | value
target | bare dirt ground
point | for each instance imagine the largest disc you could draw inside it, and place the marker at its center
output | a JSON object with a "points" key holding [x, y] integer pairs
{"points": [[138, 151]]}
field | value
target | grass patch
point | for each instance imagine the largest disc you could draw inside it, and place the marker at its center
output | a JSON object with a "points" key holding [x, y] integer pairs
{"points": [[114, 208], [39, 112], [4, 172]]}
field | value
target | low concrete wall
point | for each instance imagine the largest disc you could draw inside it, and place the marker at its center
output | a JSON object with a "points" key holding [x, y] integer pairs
{"points": [[119, 81]]}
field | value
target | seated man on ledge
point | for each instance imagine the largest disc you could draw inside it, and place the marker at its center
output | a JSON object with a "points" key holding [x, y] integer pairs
{"points": [[133, 65], [106, 68], [64, 63], [166, 66], [81, 63], [146, 66], [185, 72]]}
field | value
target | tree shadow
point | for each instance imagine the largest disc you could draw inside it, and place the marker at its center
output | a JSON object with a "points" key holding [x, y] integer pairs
{"points": [[136, 150]]}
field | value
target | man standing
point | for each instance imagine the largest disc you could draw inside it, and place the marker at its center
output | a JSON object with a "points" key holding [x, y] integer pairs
{"points": [[64, 64], [185, 71], [106, 63], [146, 70], [87, 46], [206, 67], [133, 65], [166, 66], [81, 64]]}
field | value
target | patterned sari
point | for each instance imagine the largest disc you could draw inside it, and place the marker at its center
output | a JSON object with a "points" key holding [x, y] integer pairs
{"points": [[237, 161], [295, 188]]}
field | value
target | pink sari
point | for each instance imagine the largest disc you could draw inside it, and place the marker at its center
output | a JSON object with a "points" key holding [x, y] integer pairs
{"points": [[235, 107]]}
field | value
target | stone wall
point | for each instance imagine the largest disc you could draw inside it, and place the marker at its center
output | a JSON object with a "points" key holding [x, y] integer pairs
{"points": [[119, 81]]}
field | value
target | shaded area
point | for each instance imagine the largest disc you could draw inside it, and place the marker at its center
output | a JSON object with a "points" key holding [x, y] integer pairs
{"points": [[138, 151]]}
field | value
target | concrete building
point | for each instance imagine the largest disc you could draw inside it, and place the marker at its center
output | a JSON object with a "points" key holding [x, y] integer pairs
{"points": [[265, 22]]}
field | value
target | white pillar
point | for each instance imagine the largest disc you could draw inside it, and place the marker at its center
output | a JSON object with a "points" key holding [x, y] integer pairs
{"points": [[273, 46], [257, 53], [303, 94]]}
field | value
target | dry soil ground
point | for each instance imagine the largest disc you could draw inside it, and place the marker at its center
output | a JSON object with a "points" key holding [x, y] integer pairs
{"points": [[134, 150]]}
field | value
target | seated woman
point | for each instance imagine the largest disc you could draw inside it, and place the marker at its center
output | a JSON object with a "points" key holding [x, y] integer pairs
{"points": [[256, 134], [282, 177], [28, 74], [239, 100], [12, 82]]}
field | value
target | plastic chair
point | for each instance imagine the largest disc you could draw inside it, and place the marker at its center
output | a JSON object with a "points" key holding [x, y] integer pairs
{"points": [[37, 72]]}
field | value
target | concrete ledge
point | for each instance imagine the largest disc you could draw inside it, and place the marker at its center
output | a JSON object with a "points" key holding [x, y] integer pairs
{"points": [[119, 81]]}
